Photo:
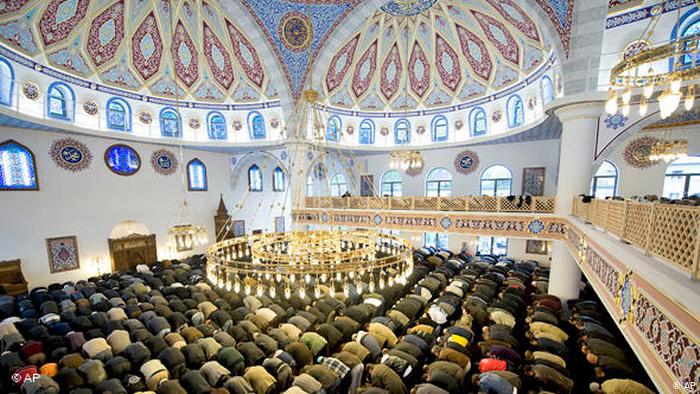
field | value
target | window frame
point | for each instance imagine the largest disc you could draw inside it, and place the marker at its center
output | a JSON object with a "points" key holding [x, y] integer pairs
{"points": [[210, 132], [252, 168], [495, 181], [332, 183], [192, 188], [35, 186], [439, 182], [127, 114], [252, 116], [11, 89], [401, 122], [67, 101], [162, 120], [515, 112], [333, 136], [434, 126], [547, 86], [438, 243], [275, 186], [371, 131], [596, 178], [473, 114], [491, 246], [391, 184]]}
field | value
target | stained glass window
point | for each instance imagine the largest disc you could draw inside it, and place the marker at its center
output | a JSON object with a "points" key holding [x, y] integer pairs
{"points": [[122, 159], [60, 101], [402, 132], [438, 183], [256, 126], [118, 115], [17, 168], [278, 180], [496, 181], [477, 122], [7, 82], [391, 184], [366, 132], [255, 180], [547, 90], [514, 110], [196, 176], [170, 123], [440, 131], [333, 129], [217, 126]]}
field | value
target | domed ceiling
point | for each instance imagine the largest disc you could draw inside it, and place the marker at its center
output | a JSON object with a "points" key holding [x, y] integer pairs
{"points": [[435, 54], [141, 45]]}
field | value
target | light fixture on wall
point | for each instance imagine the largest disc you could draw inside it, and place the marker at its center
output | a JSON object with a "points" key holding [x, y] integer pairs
{"points": [[636, 73]]}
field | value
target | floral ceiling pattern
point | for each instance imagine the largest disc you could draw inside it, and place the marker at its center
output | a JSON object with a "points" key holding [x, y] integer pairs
{"points": [[451, 52], [143, 46]]}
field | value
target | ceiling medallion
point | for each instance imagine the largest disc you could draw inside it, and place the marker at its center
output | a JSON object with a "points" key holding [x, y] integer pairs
{"points": [[90, 107], [467, 162], [30, 90], [407, 7], [70, 154], [295, 31], [164, 162]]}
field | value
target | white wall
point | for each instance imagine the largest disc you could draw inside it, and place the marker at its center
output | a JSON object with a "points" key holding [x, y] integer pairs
{"points": [[90, 203], [515, 156]]}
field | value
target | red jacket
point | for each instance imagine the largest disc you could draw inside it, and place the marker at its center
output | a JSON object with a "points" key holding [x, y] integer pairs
{"points": [[492, 364]]}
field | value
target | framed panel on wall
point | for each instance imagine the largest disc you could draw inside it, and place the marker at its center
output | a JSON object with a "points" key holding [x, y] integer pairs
{"points": [[63, 254], [279, 224], [367, 185], [238, 228], [536, 246], [533, 181]]}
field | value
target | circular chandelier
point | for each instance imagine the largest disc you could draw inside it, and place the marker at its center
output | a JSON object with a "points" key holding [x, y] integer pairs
{"points": [[637, 72], [406, 160], [187, 236], [304, 261], [668, 150]]}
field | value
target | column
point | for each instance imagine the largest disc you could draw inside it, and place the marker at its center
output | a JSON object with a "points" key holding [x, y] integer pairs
{"points": [[579, 124]]}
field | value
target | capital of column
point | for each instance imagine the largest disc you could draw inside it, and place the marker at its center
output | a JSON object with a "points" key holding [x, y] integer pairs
{"points": [[585, 106]]}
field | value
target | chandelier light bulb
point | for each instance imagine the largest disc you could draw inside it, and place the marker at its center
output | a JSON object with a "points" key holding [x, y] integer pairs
{"points": [[611, 104], [358, 286], [287, 293], [689, 98], [317, 292], [625, 109], [668, 102], [272, 292], [247, 289], [676, 85], [346, 290], [302, 292], [331, 291], [260, 290], [236, 287], [371, 286], [627, 95], [643, 106], [228, 286]]}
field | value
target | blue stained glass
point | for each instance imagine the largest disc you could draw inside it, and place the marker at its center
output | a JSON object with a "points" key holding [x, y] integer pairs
{"points": [[169, 123], [333, 129], [255, 182], [278, 180], [366, 132], [515, 111], [118, 115], [57, 103], [256, 126], [7, 82], [477, 122], [402, 132], [17, 171], [197, 175], [217, 127], [547, 90], [440, 130], [122, 159]]}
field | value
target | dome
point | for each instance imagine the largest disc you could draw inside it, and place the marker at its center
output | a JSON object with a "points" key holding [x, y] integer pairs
{"points": [[434, 54], [141, 46]]}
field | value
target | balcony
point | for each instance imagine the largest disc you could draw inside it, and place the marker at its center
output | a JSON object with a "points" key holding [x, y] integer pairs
{"points": [[543, 204], [668, 232]]}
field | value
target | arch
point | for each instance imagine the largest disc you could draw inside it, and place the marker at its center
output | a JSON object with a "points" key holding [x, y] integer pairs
{"points": [[7, 82], [515, 111], [688, 25], [278, 182], [60, 101], [402, 132], [216, 126], [333, 129], [547, 90], [366, 133], [604, 181], [256, 126], [118, 114], [439, 129], [17, 167], [339, 185], [438, 183], [682, 178], [129, 227], [170, 123], [391, 184], [496, 180], [255, 179], [477, 122], [196, 176]]}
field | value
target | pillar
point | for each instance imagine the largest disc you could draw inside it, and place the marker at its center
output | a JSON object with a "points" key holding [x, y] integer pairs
{"points": [[576, 152]]}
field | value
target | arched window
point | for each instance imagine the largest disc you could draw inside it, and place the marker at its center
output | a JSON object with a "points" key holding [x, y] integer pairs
{"points": [[7, 82], [492, 246], [391, 184], [689, 25], [366, 132], [216, 126], [278, 180], [196, 176], [333, 129], [402, 132], [170, 125], [256, 126], [547, 90], [60, 101], [437, 240], [439, 129], [17, 167], [604, 182], [310, 186], [496, 181], [682, 178], [477, 122], [255, 179], [438, 183], [514, 111], [118, 114], [339, 185]]}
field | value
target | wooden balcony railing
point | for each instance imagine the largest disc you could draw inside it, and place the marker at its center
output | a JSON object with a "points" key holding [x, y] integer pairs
{"points": [[455, 204], [670, 232]]}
